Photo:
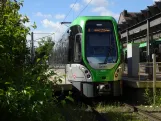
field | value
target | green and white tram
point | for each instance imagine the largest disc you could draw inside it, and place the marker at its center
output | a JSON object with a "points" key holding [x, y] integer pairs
{"points": [[93, 56]]}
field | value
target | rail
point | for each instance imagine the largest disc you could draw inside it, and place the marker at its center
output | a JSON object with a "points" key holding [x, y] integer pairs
{"points": [[144, 113], [144, 67], [99, 117], [57, 66], [60, 70]]}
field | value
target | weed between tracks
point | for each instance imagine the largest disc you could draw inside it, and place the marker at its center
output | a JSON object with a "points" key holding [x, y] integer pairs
{"points": [[148, 95], [77, 112], [116, 112]]}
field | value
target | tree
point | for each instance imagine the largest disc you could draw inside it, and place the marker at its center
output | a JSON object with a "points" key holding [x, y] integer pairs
{"points": [[25, 89], [45, 48]]}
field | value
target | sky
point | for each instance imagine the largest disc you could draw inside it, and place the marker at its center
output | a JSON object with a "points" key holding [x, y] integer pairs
{"points": [[49, 13]]}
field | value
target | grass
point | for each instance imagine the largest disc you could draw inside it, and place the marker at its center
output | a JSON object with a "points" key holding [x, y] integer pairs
{"points": [[148, 95], [116, 112], [150, 108], [74, 112]]}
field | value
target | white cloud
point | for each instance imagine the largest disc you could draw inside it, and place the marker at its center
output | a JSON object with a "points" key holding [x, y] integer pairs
{"points": [[98, 3], [105, 12], [55, 27], [37, 36], [156, 0], [60, 16], [47, 23], [39, 14], [76, 7], [101, 7], [57, 16], [28, 24], [49, 28]]}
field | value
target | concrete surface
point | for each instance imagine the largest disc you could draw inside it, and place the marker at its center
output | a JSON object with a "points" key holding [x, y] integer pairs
{"points": [[60, 86]]}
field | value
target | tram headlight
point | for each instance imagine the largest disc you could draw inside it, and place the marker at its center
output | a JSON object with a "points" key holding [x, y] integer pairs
{"points": [[83, 68], [86, 71], [116, 75], [88, 76], [118, 72]]}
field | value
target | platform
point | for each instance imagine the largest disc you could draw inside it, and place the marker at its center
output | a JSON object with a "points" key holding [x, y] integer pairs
{"points": [[60, 86], [141, 80], [135, 83]]}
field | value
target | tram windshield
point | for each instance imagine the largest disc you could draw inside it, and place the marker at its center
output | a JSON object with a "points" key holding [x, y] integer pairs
{"points": [[100, 42]]}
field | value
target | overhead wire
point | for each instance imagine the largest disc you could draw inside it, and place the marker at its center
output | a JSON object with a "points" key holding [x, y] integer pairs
{"points": [[68, 14], [70, 9], [80, 11], [65, 18], [59, 25], [43, 33], [84, 8], [44, 36]]}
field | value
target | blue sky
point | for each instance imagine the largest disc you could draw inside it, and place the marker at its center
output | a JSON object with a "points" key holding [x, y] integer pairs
{"points": [[48, 13]]}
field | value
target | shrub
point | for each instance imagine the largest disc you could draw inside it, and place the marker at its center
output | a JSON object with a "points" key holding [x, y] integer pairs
{"points": [[25, 90]]}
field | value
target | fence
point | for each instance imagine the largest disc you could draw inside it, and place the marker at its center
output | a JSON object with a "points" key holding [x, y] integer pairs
{"points": [[146, 67], [57, 66]]}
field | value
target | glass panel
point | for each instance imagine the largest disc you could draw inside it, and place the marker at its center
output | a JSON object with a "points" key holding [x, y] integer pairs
{"points": [[100, 43], [78, 48]]}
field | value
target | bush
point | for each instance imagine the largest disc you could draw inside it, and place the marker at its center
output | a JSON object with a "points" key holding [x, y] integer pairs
{"points": [[25, 91], [149, 96]]}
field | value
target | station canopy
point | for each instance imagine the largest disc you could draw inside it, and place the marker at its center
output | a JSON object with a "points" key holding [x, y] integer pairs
{"points": [[128, 19]]}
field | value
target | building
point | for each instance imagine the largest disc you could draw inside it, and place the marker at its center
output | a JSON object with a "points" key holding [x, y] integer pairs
{"points": [[142, 27], [3, 1], [128, 19]]}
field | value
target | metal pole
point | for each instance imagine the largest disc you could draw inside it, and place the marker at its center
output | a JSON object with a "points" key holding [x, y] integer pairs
{"points": [[127, 37], [127, 41], [65, 66], [148, 51], [148, 40], [32, 47], [54, 37], [154, 77]]}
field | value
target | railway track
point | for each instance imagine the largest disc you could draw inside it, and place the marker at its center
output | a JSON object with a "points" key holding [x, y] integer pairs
{"points": [[94, 114], [147, 114], [99, 117], [88, 103]]}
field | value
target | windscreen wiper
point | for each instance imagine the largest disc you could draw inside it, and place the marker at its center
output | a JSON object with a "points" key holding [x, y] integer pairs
{"points": [[108, 54]]}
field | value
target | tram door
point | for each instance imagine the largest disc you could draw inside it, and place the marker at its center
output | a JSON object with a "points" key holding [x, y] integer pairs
{"points": [[157, 50], [159, 57], [143, 57]]}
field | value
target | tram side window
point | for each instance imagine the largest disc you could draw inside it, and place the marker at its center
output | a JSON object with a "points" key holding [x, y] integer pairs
{"points": [[143, 54], [77, 48], [71, 52], [125, 57]]}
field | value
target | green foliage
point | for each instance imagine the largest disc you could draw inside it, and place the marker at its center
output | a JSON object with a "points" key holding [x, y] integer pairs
{"points": [[45, 48], [116, 112], [149, 96], [25, 89], [69, 97]]}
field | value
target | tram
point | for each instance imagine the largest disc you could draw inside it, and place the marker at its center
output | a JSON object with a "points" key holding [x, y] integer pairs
{"points": [[93, 56]]}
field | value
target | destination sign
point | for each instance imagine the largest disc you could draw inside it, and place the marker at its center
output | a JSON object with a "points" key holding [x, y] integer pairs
{"points": [[98, 30]]}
